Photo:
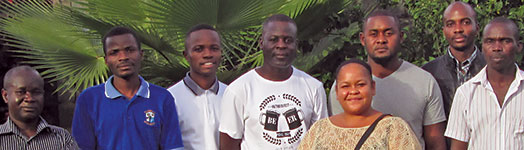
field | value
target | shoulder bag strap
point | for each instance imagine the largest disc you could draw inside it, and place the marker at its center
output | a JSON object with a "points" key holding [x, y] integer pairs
{"points": [[369, 131]]}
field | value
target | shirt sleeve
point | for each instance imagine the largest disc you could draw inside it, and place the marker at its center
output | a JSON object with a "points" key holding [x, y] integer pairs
{"points": [[457, 126], [69, 142], [402, 136], [434, 112], [320, 102], [171, 137], [82, 129], [232, 114]]}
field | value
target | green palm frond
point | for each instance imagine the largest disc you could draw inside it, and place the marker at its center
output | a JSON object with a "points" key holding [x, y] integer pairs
{"points": [[55, 47]]}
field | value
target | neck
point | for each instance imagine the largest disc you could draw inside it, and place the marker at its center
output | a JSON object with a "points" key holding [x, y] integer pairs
{"points": [[360, 120], [502, 75], [204, 81], [28, 128], [275, 74], [384, 70], [462, 56], [127, 86]]}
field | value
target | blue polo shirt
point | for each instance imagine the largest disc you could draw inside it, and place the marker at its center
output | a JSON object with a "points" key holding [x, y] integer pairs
{"points": [[106, 119]]}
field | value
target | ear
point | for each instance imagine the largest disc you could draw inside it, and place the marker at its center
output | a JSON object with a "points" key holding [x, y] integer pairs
{"points": [[4, 95], [519, 50], [141, 55], [362, 39], [373, 90]]}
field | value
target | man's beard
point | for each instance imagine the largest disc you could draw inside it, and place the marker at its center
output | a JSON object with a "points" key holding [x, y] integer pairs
{"points": [[383, 61]]}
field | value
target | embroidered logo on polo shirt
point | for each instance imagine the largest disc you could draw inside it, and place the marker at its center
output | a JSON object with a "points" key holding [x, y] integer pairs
{"points": [[150, 117]]}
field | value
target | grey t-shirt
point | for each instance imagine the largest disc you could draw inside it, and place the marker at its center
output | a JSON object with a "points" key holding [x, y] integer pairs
{"points": [[410, 93]]}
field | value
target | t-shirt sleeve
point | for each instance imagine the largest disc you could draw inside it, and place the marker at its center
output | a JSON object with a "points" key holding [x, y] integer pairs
{"points": [[402, 137], [232, 114], [434, 112], [171, 137], [457, 126], [320, 104], [82, 129]]}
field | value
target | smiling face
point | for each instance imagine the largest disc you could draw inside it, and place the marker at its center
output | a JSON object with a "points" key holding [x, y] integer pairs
{"points": [[123, 57], [381, 38], [24, 95], [279, 44], [355, 89], [500, 45], [203, 52], [460, 26]]}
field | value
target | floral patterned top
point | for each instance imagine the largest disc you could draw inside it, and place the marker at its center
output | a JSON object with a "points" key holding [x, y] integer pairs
{"points": [[390, 133]]}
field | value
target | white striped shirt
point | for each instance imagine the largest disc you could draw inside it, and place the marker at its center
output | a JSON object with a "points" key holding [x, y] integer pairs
{"points": [[477, 118], [48, 137]]}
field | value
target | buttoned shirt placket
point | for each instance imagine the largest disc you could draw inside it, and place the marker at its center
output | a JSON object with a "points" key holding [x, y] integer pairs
{"points": [[463, 68]]}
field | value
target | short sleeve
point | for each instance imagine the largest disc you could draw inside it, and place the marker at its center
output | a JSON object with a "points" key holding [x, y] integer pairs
{"points": [[402, 137], [434, 112], [320, 108], [232, 114], [82, 129], [457, 127], [171, 136]]}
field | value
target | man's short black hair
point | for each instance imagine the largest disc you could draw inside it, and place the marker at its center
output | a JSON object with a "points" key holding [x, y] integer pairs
{"points": [[119, 31], [381, 12], [278, 17], [510, 22], [198, 27], [356, 61]]}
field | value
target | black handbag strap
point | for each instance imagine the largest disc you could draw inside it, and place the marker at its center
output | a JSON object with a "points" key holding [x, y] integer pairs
{"points": [[369, 131]]}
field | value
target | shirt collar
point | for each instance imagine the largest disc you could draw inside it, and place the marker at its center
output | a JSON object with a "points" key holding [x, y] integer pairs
{"points": [[468, 61], [112, 93], [10, 127], [197, 90], [482, 77]]}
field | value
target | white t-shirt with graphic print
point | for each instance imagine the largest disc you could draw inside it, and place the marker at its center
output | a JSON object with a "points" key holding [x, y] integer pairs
{"points": [[272, 114]]}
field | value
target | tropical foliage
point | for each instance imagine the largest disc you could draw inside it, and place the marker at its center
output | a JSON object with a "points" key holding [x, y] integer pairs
{"points": [[64, 40]]}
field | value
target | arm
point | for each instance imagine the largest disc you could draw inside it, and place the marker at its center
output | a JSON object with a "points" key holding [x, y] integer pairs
{"points": [[82, 129], [228, 143], [458, 130], [434, 119], [434, 136], [320, 105], [458, 145], [231, 125], [171, 137]]}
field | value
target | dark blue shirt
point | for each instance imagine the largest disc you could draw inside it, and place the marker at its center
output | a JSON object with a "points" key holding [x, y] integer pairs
{"points": [[105, 119]]}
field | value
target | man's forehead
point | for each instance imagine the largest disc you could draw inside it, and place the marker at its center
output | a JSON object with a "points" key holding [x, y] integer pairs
{"points": [[458, 11], [380, 22], [279, 27], [498, 30]]}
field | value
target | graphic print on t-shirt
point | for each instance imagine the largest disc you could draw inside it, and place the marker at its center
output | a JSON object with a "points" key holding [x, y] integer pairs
{"points": [[282, 119]]}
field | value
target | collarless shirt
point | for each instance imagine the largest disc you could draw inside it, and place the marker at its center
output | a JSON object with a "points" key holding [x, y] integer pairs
{"points": [[199, 111], [477, 118], [463, 74], [106, 119], [47, 137]]}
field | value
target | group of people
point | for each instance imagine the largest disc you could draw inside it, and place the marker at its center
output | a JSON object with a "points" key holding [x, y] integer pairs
{"points": [[384, 103]]}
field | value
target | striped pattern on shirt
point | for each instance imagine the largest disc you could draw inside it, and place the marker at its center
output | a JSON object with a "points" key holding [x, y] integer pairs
{"points": [[477, 118], [48, 137]]}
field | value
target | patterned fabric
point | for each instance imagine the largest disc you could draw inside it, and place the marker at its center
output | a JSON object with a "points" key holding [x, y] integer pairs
{"points": [[390, 133], [48, 137]]}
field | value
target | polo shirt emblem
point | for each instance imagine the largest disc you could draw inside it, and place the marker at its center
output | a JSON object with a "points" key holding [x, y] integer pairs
{"points": [[150, 117]]}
